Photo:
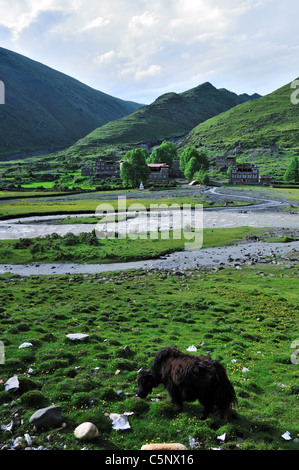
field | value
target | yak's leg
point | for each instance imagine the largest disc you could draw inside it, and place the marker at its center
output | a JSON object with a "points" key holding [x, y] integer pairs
{"points": [[207, 408], [175, 397]]}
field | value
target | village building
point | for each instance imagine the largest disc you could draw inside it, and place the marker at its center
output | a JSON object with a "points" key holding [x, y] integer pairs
{"points": [[224, 162], [265, 180], [102, 169], [175, 171], [159, 172], [106, 169], [244, 174], [87, 170]]}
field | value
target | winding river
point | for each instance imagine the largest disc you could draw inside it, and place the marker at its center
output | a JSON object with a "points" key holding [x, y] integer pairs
{"points": [[262, 213]]}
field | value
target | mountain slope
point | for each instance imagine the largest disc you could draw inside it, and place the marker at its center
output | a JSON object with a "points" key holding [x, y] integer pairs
{"points": [[169, 116], [270, 120], [46, 110]]}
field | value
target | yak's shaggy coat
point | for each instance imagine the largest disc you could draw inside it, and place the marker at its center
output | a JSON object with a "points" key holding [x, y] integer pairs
{"points": [[188, 378]]}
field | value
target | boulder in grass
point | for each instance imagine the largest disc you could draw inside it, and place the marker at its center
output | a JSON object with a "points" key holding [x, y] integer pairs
{"points": [[86, 431], [172, 446], [12, 384], [47, 417]]}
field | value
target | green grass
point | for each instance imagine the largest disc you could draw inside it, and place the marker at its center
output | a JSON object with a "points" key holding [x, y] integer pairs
{"points": [[284, 239], [38, 184], [242, 318], [87, 248], [270, 120], [44, 206], [290, 194], [33, 88], [94, 220], [170, 115]]}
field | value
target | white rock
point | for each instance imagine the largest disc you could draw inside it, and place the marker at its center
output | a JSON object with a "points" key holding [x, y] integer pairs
{"points": [[28, 439], [18, 443], [12, 383], [86, 430], [25, 345], [77, 336], [171, 446], [192, 348]]}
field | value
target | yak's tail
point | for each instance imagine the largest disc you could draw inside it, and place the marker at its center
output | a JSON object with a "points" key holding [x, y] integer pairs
{"points": [[225, 396]]}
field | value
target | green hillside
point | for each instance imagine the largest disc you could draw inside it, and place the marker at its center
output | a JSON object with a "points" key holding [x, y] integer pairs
{"points": [[172, 115], [272, 120], [46, 110]]}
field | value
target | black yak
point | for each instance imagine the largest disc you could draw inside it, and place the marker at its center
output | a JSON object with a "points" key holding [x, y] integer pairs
{"points": [[188, 378]]}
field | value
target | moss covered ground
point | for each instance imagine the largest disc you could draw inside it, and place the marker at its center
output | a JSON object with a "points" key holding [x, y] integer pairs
{"points": [[248, 319]]}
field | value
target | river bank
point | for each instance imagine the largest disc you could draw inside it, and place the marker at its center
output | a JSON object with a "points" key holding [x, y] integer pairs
{"points": [[229, 256]]}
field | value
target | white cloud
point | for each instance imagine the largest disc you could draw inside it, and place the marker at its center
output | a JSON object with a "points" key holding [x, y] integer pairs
{"points": [[96, 23], [105, 58], [146, 20], [139, 47], [152, 71], [19, 15]]}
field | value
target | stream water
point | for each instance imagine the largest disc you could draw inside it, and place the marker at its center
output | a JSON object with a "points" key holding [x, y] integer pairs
{"points": [[263, 213]]}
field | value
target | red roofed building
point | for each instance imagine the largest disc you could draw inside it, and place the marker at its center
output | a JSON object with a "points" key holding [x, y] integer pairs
{"points": [[159, 172]]}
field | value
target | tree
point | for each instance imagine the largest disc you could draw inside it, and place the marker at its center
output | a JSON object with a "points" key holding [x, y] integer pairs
{"points": [[135, 169], [165, 153], [191, 168], [188, 154], [292, 173], [127, 174], [202, 177]]}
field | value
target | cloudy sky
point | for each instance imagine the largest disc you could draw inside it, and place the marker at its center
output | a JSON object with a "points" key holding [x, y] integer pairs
{"points": [[139, 49]]}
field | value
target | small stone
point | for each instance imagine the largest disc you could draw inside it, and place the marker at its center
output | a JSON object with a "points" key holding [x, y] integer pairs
{"points": [[25, 345], [12, 384], [77, 337], [28, 439], [86, 431], [172, 446], [17, 443]]}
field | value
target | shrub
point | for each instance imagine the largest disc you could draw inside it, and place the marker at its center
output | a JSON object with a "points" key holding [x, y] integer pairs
{"points": [[82, 399], [137, 405], [96, 416], [163, 409], [26, 384], [34, 399], [52, 365], [108, 394]]}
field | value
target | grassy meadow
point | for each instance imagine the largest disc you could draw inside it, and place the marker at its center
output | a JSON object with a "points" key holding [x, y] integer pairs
{"points": [[72, 205], [88, 248], [247, 319]]}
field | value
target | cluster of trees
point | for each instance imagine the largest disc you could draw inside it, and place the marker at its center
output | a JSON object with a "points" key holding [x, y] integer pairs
{"points": [[135, 167], [292, 173], [194, 164]]}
